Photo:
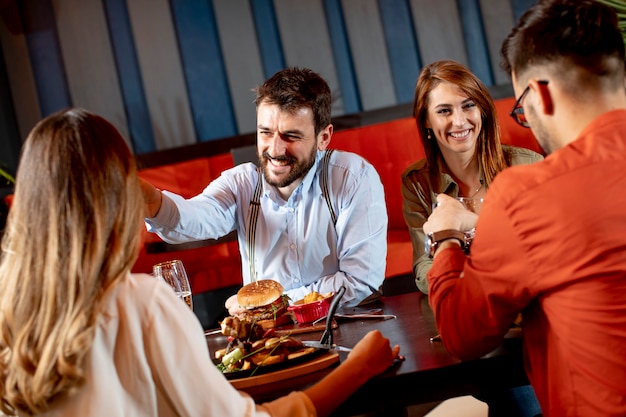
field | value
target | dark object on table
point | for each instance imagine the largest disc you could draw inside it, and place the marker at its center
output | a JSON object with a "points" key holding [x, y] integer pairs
{"points": [[327, 336]]}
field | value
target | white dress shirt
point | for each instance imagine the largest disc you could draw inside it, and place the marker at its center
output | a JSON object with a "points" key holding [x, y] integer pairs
{"points": [[296, 241]]}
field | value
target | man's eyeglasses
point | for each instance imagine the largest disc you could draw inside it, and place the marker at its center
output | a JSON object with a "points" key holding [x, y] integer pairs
{"points": [[518, 111]]}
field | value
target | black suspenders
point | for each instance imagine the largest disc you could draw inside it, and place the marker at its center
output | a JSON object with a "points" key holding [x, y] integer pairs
{"points": [[255, 207], [324, 184]]}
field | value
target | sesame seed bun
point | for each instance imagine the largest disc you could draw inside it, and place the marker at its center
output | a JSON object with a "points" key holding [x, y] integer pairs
{"points": [[259, 293]]}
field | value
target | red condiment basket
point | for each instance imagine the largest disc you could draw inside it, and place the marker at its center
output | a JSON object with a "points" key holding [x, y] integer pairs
{"points": [[309, 312]]}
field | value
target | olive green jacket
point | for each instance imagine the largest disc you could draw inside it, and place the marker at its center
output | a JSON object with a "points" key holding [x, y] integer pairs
{"points": [[418, 195]]}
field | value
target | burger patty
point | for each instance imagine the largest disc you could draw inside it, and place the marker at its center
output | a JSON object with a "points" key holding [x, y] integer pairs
{"points": [[267, 312], [248, 324]]}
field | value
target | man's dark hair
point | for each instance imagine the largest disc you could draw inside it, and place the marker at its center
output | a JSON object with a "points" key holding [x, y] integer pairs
{"points": [[583, 33], [295, 88]]}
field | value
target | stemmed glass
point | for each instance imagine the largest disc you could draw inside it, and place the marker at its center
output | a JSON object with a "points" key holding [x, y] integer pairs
{"points": [[174, 274]]}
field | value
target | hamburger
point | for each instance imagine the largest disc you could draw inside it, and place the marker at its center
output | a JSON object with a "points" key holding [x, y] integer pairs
{"points": [[251, 340], [264, 306]]}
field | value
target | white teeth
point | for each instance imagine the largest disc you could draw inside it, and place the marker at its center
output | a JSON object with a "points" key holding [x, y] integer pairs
{"points": [[459, 134], [280, 163]]}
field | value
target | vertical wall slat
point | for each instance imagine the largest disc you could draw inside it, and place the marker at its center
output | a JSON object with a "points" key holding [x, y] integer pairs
{"points": [[403, 50], [45, 55], [129, 76], [478, 57], [343, 56], [520, 6], [162, 74], [438, 28], [203, 65], [306, 41], [89, 60], [498, 20], [267, 36], [20, 77], [241, 58], [369, 53]]}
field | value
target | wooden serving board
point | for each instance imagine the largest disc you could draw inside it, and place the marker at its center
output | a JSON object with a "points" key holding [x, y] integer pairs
{"points": [[298, 328], [321, 362]]}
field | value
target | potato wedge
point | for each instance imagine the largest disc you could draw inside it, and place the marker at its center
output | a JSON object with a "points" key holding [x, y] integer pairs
{"points": [[257, 358], [272, 359]]}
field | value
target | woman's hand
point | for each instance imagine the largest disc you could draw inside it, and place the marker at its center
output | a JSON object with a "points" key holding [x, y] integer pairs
{"points": [[371, 356], [373, 353]]}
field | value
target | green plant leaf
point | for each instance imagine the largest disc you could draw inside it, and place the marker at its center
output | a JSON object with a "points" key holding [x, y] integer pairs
{"points": [[7, 176]]}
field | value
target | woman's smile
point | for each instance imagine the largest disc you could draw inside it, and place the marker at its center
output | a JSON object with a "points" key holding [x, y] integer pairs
{"points": [[461, 135]]}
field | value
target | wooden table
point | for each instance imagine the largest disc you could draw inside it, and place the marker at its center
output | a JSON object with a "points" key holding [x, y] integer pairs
{"points": [[429, 373]]}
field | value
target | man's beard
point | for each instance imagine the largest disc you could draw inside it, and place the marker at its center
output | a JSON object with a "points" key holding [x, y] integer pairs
{"points": [[298, 169]]}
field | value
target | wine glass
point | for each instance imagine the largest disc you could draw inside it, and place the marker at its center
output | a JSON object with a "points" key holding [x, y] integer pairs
{"points": [[174, 274]]}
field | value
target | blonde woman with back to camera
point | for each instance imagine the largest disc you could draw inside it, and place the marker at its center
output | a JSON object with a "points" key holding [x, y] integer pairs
{"points": [[82, 336]]}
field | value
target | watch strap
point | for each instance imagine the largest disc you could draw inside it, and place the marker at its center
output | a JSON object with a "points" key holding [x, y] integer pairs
{"points": [[440, 236], [437, 237]]}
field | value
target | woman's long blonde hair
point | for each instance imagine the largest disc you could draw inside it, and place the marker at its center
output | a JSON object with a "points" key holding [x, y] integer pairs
{"points": [[73, 231], [488, 152]]}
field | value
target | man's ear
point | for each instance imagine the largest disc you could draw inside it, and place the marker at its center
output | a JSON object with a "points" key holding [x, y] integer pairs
{"points": [[543, 92], [323, 138]]}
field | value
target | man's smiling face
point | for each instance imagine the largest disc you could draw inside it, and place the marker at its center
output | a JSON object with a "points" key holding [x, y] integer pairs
{"points": [[286, 145]]}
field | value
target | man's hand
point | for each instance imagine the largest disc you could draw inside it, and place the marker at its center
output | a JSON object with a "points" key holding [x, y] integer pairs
{"points": [[450, 214], [151, 197]]}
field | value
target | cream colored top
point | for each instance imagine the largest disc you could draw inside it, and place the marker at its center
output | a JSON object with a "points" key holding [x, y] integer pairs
{"points": [[150, 358]]}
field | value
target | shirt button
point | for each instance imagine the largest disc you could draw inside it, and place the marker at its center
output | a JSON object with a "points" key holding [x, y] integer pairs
{"points": [[291, 210], [296, 280], [292, 246]]}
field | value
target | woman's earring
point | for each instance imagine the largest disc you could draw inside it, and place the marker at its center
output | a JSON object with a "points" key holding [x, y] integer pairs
{"points": [[428, 135]]}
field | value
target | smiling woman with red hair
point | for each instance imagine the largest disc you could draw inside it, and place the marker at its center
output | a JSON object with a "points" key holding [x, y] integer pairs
{"points": [[457, 121]]}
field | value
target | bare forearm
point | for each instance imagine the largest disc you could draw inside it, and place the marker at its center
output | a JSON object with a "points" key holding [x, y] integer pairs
{"points": [[336, 387], [152, 198], [371, 356]]}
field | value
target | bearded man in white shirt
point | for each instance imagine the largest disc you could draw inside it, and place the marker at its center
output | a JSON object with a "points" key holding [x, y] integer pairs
{"points": [[314, 220]]}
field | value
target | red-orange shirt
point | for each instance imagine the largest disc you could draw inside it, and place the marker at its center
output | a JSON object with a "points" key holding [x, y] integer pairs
{"points": [[550, 242]]}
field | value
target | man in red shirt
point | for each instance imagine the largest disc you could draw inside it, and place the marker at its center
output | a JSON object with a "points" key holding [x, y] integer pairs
{"points": [[551, 238]]}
